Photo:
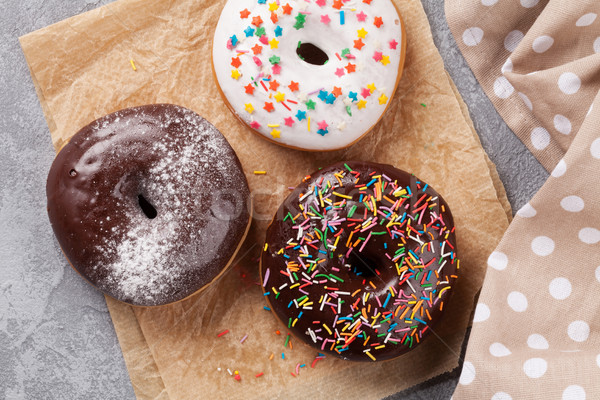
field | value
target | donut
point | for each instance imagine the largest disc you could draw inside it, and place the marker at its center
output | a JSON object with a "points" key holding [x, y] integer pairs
{"points": [[313, 75], [149, 204], [360, 260]]}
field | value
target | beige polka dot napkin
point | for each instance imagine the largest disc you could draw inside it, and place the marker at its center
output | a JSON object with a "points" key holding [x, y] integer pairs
{"points": [[536, 330]]}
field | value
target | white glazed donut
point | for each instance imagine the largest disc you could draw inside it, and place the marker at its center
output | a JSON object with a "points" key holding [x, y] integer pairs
{"points": [[309, 74]]}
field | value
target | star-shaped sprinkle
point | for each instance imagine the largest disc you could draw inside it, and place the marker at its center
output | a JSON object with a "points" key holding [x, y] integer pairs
{"points": [[353, 96], [301, 115], [364, 1], [244, 13], [342, 125], [273, 6], [325, 19], [350, 67], [235, 62], [339, 72], [337, 4], [287, 9], [274, 17], [336, 91], [257, 60], [276, 133], [274, 59], [263, 38], [262, 1], [393, 44], [322, 95], [361, 16], [273, 85], [276, 69], [256, 21], [273, 43], [385, 60], [257, 49], [310, 105], [345, 52], [358, 44], [322, 132], [378, 21], [361, 104], [279, 97], [330, 99], [234, 40], [260, 32], [254, 125], [289, 121], [323, 125], [377, 56], [362, 33], [293, 86], [383, 98], [300, 20], [249, 31], [365, 92], [249, 88], [249, 108], [278, 31], [268, 106], [372, 87], [235, 74], [320, 3]]}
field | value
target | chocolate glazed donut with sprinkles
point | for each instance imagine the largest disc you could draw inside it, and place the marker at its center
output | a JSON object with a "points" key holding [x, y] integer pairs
{"points": [[309, 74], [360, 261]]}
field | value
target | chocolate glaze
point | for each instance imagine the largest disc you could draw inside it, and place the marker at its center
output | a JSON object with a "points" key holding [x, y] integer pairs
{"points": [[149, 203], [371, 270]]}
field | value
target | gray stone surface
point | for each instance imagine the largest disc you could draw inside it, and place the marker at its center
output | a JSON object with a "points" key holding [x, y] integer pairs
{"points": [[56, 337]]}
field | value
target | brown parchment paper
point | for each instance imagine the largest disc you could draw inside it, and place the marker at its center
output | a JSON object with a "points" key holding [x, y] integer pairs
{"points": [[81, 69]]}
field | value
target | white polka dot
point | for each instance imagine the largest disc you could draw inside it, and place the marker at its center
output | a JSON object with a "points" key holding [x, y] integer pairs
{"points": [[517, 301], [597, 45], [562, 124], [527, 211], [488, 2], [598, 274], [578, 331], [542, 43], [501, 396], [526, 100], [586, 20], [572, 203], [560, 288], [503, 88], [589, 235], [560, 169], [537, 341], [573, 392], [482, 312], [508, 66], [529, 3], [535, 367], [595, 148], [499, 350], [569, 83], [497, 260], [540, 138], [472, 36], [468, 374], [542, 245], [512, 40]]}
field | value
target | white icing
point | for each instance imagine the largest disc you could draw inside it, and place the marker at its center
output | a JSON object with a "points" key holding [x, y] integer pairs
{"points": [[332, 38]]}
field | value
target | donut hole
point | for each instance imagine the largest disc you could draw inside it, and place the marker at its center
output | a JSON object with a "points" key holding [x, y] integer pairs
{"points": [[362, 265], [147, 208], [311, 54]]}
